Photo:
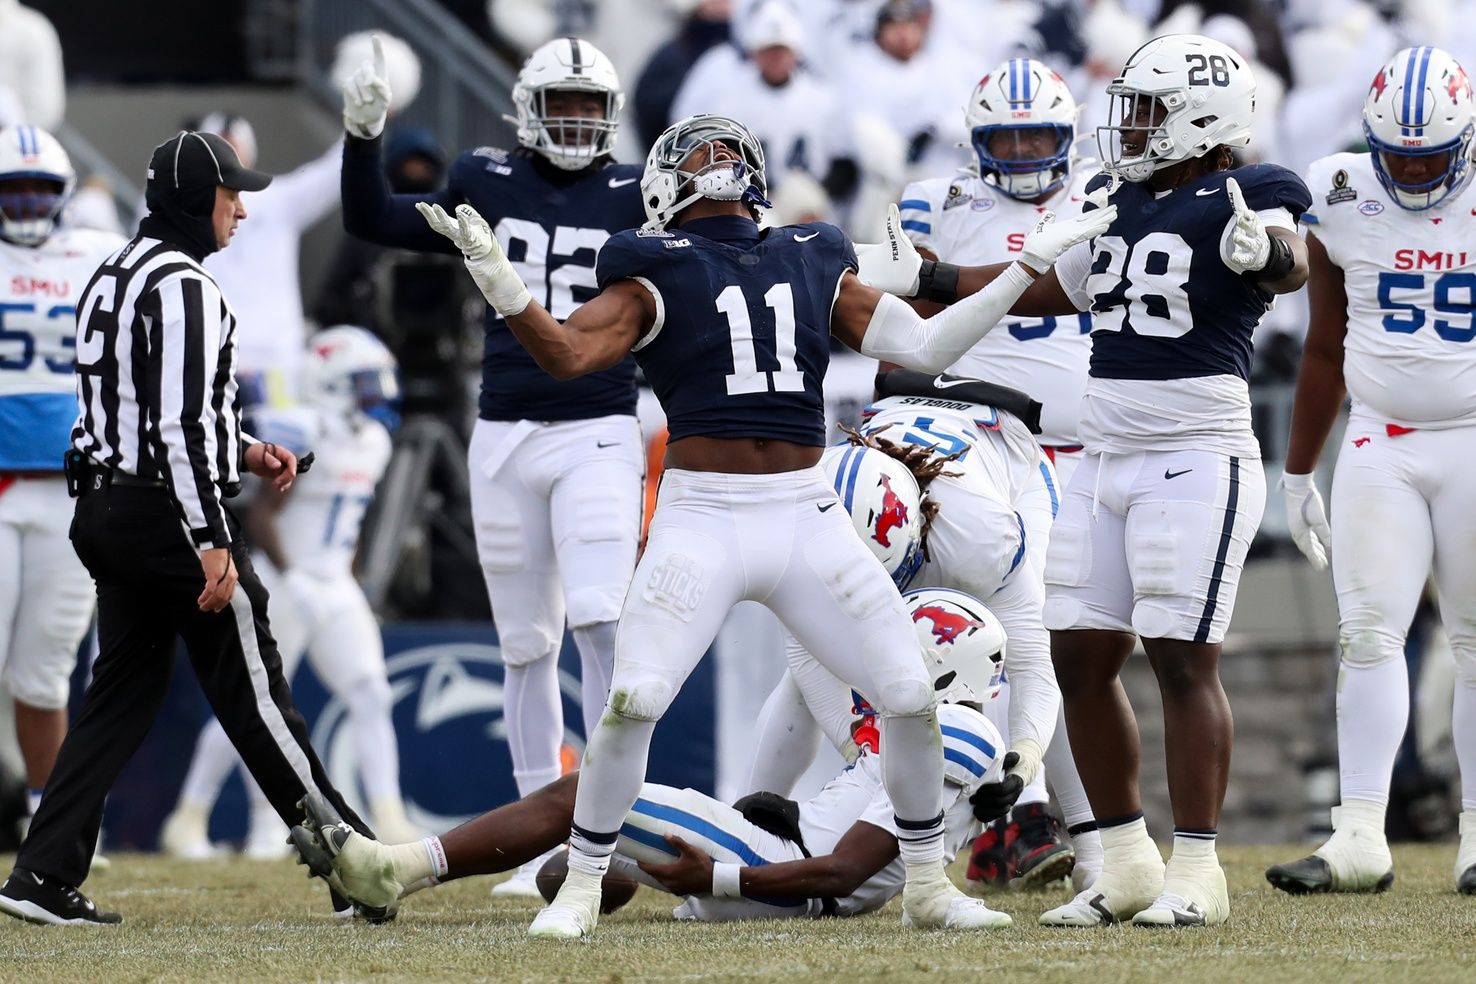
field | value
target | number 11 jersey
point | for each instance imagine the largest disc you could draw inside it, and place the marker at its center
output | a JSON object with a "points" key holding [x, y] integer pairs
{"points": [[741, 340], [1171, 323]]}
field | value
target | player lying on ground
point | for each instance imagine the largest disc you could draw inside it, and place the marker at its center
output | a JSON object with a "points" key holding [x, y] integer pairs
{"points": [[689, 844]]}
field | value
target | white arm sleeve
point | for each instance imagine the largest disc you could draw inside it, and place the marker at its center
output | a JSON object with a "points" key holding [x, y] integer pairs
{"points": [[897, 334], [1072, 269], [1035, 696]]}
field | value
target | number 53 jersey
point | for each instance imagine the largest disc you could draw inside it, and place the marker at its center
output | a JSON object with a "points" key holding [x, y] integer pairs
{"points": [[1171, 323], [39, 287], [741, 340], [1409, 356]]}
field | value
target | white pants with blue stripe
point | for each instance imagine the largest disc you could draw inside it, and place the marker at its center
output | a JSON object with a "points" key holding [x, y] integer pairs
{"points": [[714, 828]]}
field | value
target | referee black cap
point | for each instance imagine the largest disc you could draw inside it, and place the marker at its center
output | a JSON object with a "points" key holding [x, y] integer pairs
{"points": [[190, 160]]}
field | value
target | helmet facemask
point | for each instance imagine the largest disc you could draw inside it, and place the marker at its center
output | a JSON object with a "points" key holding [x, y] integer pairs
{"points": [[1139, 143], [571, 142], [28, 217], [734, 173], [1419, 112], [1017, 173]]}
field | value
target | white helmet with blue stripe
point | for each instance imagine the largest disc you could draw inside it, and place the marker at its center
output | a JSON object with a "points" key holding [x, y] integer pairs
{"points": [[1020, 95], [973, 750], [30, 154], [962, 641], [885, 505], [1420, 105]]}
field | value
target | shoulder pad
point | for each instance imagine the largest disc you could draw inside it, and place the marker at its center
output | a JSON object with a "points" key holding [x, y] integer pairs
{"points": [[629, 254], [1273, 186]]}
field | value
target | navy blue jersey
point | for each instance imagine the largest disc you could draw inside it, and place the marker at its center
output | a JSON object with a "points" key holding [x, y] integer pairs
{"points": [[742, 335], [1163, 303], [552, 224]]}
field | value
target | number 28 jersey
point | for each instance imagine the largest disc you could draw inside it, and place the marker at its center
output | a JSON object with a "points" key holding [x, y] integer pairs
{"points": [[1409, 356], [741, 340], [1171, 323]]}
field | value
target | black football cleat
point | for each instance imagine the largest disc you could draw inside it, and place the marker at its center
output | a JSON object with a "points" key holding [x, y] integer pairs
{"points": [[48, 902]]}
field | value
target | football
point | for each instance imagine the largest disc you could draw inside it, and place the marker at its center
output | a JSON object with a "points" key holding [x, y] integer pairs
{"points": [[618, 888]]}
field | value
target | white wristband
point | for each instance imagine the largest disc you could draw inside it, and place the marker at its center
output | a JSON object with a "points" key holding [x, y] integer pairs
{"points": [[725, 880]]}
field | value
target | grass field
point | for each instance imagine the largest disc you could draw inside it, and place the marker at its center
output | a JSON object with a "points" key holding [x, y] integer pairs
{"points": [[246, 921]]}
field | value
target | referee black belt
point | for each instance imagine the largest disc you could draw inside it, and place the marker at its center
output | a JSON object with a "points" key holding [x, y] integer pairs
{"points": [[88, 477], [133, 481]]}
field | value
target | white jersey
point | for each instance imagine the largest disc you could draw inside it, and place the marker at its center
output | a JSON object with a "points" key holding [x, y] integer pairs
{"points": [[954, 427], [319, 523], [1409, 356], [969, 221], [858, 795], [39, 288]]}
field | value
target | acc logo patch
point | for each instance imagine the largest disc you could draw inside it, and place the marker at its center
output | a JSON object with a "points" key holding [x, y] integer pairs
{"points": [[1370, 207], [982, 204], [1340, 191]]}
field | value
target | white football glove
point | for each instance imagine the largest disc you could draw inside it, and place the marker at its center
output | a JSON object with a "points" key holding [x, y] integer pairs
{"points": [[1245, 246], [366, 96], [891, 265], [485, 260], [1306, 518], [1050, 238]]}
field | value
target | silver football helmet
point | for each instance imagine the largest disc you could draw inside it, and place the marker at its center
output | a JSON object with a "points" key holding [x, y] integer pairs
{"points": [[666, 188]]}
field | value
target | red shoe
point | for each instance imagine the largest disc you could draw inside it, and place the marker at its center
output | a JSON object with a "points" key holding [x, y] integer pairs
{"points": [[1036, 852], [989, 867]]}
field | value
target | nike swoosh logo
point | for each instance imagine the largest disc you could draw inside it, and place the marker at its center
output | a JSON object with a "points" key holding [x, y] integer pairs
{"points": [[622, 182], [804, 239], [824, 507], [1176, 474], [38, 879], [1199, 193], [943, 384], [606, 444]]}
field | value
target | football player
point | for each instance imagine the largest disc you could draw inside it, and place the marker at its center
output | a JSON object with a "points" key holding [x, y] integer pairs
{"points": [[765, 857], [305, 541], [1393, 276], [1022, 124], [46, 596], [1154, 528], [732, 328], [555, 466]]}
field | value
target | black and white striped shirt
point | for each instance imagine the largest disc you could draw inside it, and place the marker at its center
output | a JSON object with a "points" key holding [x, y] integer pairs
{"points": [[156, 381]]}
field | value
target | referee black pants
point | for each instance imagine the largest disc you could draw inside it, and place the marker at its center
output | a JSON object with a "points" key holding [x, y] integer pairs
{"points": [[148, 579]]}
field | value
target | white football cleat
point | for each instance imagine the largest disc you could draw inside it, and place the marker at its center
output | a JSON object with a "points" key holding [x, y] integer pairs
{"points": [[1194, 894], [1465, 866], [931, 901], [1118, 893], [184, 835], [1355, 858], [524, 882], [358, 868], [573, 913]]}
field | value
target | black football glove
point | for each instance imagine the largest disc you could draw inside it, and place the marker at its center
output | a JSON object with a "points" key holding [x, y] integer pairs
{"points": [[994, 799]]}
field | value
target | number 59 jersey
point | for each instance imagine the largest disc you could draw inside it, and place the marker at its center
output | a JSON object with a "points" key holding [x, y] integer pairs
{"points": [[39, 287], [741, 340], [1171, 323], [1409, 356]]}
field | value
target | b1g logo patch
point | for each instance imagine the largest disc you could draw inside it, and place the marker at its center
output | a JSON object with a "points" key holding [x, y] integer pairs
{"points": [[1340, 191], [1370, 207]]}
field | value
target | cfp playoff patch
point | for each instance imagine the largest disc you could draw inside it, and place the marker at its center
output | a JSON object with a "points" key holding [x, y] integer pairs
{"points": [[1340, 191], [956, 197]]}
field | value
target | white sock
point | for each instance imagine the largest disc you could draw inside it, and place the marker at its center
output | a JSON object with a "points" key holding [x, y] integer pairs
{"points": [[212, 762], [1463, 735], [1127, 842], [1363, 814], [609, 782], [1195, 845], [1076, 809], [1086, 841], [418, 860], [1373, 711], [535, 722], [374, 738], [912, 768], [596, 645]]}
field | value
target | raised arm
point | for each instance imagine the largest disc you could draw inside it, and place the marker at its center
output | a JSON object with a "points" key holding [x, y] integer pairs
{"points": [[596, 336]]}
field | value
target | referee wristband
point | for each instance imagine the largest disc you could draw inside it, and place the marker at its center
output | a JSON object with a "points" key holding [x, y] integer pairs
{"points": [[725, 880]]}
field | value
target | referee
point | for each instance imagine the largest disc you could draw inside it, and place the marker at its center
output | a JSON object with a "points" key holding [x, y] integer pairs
{"points": [[156, 451]]}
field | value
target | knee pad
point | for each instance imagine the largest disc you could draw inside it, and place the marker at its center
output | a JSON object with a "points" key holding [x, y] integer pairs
{"points": [[1362, 648], [588, 606], [524, 645], [640, 694], [903, 686]]}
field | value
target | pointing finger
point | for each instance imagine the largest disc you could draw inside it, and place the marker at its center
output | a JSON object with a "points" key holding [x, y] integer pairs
{"points": [[1232, 189], [378, 47]]}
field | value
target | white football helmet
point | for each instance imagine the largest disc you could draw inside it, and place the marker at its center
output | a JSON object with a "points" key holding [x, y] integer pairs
{"points": [[972, 747], [1022, 94], [563, 65], [666, 189], [349, 371], [962, 642], [885, 505], [1419, 105], [1201, 93], [26, 217]]}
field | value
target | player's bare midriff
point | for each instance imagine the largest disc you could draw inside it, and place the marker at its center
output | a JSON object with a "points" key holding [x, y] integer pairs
{"points": [[740, 455]]}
